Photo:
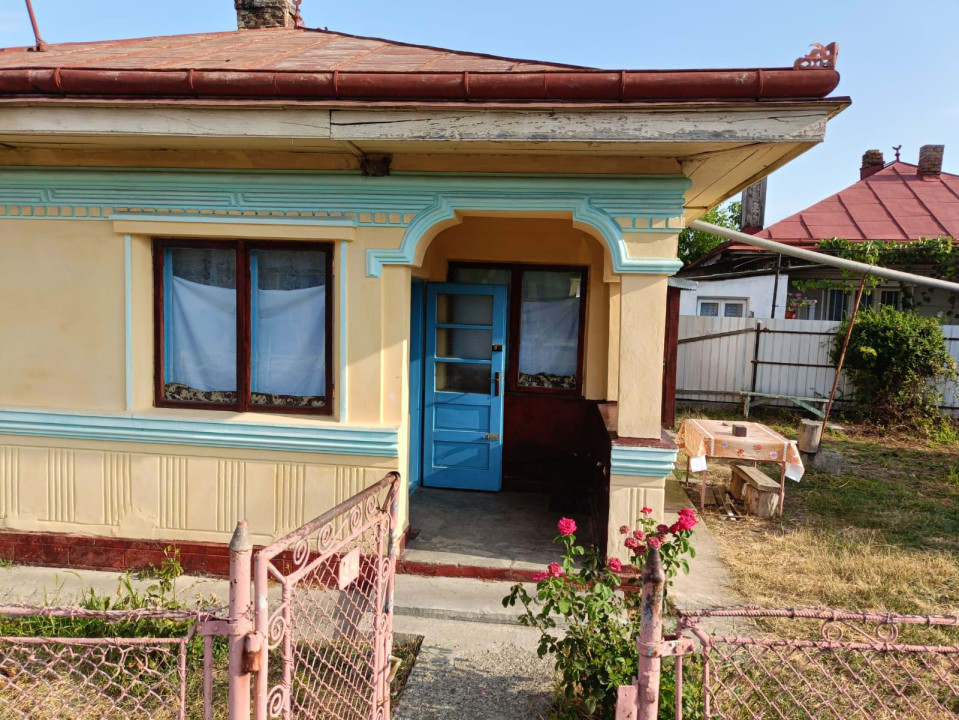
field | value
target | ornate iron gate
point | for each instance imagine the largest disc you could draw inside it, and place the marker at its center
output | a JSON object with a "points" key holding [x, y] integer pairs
{"points": [[326, 623]]}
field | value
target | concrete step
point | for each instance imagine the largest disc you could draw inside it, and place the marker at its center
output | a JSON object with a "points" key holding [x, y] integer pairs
{"points": [[456, 599]]}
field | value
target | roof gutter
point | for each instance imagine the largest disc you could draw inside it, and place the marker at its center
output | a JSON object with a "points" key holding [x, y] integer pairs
{"points": [[823, 259], [587, 85]]}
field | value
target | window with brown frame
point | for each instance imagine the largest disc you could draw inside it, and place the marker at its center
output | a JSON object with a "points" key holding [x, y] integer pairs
{"points": [[547, 317], [243, 326]]}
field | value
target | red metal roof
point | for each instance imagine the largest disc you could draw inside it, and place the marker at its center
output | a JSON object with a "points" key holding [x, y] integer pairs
{"points": [[892, 204], [321, 65]]}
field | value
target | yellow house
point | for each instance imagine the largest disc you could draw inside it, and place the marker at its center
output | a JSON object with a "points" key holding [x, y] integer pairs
{"points": [[244, 274]]}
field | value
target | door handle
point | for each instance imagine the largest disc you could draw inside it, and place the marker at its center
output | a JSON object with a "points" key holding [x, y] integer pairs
{"points": [[496, 384]]}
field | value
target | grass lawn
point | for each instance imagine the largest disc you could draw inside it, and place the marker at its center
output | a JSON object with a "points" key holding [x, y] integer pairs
{"points": [[881, 536]]}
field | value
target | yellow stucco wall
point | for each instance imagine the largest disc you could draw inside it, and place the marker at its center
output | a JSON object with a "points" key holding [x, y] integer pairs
{"points": [[61, 311]]}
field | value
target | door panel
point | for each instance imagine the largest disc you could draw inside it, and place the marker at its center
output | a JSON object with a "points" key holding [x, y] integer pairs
{"points": [[463, 386]]}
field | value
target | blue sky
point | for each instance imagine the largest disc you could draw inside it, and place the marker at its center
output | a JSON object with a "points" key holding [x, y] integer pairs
{"points": [[898, 60]]}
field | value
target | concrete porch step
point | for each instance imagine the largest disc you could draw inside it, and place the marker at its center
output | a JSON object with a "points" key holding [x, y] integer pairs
{"points": [[463, 599]]}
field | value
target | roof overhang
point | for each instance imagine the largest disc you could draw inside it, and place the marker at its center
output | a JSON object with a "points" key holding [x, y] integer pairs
{"points": [[721, 146]]}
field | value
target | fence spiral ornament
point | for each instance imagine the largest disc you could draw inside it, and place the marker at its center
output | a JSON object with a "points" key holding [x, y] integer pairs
{"points": [[277, 628], [301, 552], [356, 517], [325, 537], [276, 701]]}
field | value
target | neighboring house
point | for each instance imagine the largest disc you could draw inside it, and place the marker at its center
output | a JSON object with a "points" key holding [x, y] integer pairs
{"points": [[245, 274], [891, 202]]}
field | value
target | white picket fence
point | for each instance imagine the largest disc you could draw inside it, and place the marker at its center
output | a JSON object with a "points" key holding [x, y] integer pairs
{"points": [[715, 359]]}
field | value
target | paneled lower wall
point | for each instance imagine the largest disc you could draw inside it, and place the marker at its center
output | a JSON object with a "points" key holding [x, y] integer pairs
{"points": [[171, 494]]}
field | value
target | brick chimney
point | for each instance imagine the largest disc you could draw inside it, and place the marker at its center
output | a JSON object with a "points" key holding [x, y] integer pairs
{"points": [[930, 161], [872, 163], [256, 14]]}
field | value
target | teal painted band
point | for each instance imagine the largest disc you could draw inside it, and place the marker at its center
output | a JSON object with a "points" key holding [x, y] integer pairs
{"points": [[650, 462], [227, 219], [318, 438]]}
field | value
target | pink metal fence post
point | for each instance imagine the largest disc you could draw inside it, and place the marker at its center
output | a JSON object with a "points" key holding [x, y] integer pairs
{"points": [[650, 636], [241, 552]]}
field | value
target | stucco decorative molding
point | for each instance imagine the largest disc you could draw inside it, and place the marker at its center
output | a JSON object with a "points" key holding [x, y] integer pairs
{"points": [[646, 461], [613, 206], [315, 438]]}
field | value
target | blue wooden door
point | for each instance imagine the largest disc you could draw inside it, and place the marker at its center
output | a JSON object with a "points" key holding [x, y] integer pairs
{"points": [[463, 386]]}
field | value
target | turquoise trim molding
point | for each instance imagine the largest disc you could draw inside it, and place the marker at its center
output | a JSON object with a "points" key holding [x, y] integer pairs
{"points": [[611, 205], [317, 438], [128, 317], [650, 462]]}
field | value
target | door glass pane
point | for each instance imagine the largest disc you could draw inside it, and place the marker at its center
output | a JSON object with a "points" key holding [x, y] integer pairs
{"points": [[733, 309], [200, 318], [483, 276], [464, 309], [549, 329], [463, 377], [288, 333], [462, 343]]}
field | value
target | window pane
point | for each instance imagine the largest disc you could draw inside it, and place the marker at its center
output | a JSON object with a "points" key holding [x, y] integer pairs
{"points": [[709, 308], [463, 343], [463, 377], [288, 333], [733, 309], [482, 276], [549, 329], [200, 325], [464, 309]]}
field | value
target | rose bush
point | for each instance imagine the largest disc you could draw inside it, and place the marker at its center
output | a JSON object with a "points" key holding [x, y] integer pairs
{"points": [[597, 651]]}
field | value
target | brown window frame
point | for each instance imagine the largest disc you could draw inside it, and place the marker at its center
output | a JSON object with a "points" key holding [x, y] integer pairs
{"points": [[242, 248], [514, 329]]}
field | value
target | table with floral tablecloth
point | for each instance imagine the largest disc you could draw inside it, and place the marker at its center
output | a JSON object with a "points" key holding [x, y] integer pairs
{"points": [[701, 439]]}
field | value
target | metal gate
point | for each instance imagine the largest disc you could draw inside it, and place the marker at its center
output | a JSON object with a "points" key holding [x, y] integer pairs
{"points": [[323, 611], [810, 664]]}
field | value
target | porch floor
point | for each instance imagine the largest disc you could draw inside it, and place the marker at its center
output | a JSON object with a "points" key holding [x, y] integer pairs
{"points": [[503, 535]]}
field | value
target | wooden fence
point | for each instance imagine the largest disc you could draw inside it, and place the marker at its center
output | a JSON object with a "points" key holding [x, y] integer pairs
{"points": [[719, 358]]}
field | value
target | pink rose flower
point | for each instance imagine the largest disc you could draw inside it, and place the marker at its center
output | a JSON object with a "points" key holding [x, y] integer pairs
{"points": [[555, 570], [631, 542], [624, 530], [639, 534], [686, 522], [614, 564], [647, 511], [567, 526], [653, 542], [539, 576], [662, 528], [687, 511]]}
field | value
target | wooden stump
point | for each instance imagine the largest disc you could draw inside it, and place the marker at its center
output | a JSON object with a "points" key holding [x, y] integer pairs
{"points": [[810, 436]]}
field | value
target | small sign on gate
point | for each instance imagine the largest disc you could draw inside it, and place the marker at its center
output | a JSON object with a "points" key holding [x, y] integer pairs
{"points": [[349, 568]]}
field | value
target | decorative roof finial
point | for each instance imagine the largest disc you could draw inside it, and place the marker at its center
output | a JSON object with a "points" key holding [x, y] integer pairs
{"points": [[897, 148], [297, 19], [821, 56]]}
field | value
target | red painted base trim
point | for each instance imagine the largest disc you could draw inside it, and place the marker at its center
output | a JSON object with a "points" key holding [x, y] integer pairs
{"points": [[408, 567]]}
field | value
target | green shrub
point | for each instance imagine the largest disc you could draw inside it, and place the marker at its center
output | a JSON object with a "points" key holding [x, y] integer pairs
{"points": [[893, 358]]}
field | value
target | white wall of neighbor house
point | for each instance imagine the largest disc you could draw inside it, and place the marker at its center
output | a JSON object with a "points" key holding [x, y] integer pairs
{"points": [[756, 291]]}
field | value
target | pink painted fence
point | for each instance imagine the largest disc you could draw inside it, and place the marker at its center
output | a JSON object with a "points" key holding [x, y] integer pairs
{"points": [[56, 674], [328, 636], [798, 664], [315, 636]]}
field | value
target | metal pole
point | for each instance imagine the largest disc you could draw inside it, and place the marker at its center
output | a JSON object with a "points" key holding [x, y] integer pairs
{"points": [[41, 45], [842, 355], [650, 636], [241, 552], [779, 261], [261, 618]]}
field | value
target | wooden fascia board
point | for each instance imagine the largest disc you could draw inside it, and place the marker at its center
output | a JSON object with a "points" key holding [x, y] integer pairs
{"points": [[772, 122]]}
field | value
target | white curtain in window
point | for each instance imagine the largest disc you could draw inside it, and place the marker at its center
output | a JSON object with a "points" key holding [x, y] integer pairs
{"points": [[201, 344], [289, 349], [549, 336]]}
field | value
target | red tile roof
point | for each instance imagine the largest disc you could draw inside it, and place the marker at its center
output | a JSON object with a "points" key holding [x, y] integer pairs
{"points": [[892, 204], [276, 49], [321, 65]]}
